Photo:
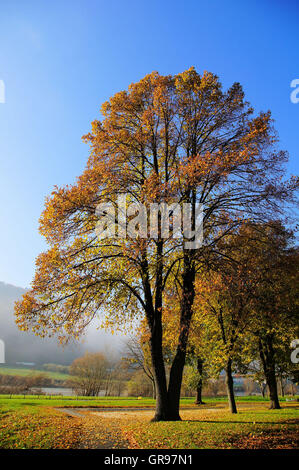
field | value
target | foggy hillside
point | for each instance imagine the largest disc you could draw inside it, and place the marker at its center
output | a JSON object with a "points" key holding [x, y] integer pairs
{"points": [[26, 347]]}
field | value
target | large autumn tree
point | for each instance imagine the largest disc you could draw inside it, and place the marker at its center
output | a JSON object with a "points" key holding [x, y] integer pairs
{"points": [[167, 139]]}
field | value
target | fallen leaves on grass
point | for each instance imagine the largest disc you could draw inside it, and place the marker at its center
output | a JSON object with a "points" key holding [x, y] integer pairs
{"points": [[216, 429], [46, 430], [269, 439]]}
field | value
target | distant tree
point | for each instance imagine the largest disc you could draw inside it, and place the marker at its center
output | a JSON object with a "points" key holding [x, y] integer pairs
{"points": [[89, 374], [36, 380], [200, 380], [56, 368], [253, 292], [138, 353], [223, 310], [194, 378], [119, 377], [215, 387], [139, 385], [255, 370], [275, 311], [250, 386]]}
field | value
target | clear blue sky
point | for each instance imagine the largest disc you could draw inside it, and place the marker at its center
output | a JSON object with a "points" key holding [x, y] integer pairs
{"points": [[61, 59]]}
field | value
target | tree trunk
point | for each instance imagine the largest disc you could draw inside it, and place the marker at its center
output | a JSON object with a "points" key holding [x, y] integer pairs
{"points": [[268, 362], [176, 371], [161, 413], [230, 387], [272, 384], [198, 400], [168, 400], [174, 388], [154, 320]]}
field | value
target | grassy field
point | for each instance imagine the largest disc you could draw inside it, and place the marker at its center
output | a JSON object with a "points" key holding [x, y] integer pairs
{"points": [[24, 372], [76, 401], [16, 402], [37, 423]]}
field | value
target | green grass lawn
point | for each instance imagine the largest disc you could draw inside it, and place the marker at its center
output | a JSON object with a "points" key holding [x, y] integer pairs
{"points": [[16, 402], [74, 401]]}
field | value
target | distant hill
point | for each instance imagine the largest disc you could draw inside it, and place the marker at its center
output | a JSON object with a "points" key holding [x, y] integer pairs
{"points": [[25, 347]]}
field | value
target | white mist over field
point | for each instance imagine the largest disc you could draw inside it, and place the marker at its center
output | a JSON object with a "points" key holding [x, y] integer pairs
{"points": [[26, 347]]}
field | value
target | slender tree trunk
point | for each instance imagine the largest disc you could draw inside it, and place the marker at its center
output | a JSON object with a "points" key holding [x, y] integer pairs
{"points": [[176, 371], [263, 389], [230, 387], [154, 389], [268, 362], [281, 385], [198, 400]]}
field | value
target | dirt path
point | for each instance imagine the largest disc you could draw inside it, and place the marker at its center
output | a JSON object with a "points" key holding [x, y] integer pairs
{"points": [[97, 432]]}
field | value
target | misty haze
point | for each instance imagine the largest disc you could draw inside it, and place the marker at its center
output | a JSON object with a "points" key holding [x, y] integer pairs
{"points": [[28, 348]]}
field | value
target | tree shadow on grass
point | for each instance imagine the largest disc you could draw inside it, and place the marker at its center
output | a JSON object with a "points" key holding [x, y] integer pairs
{"points": [[291, 421]]}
